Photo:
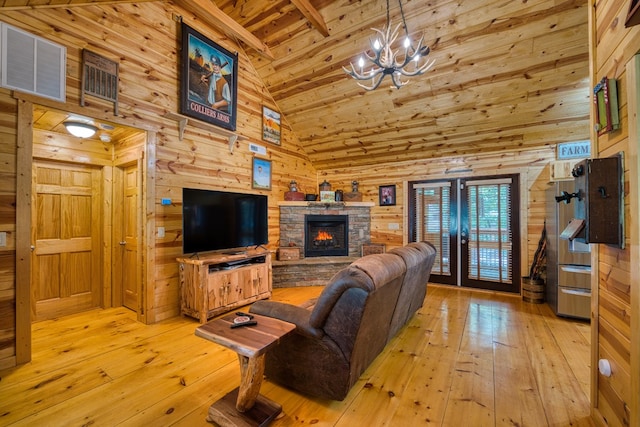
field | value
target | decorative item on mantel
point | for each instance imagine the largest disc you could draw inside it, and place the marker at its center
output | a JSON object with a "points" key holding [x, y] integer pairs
{"points": [[353, 195], [385, 61], [326, 195], [293, 194]]}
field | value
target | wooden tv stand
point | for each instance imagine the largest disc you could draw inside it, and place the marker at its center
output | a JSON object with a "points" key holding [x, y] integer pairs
{"points": [[211, 284]]}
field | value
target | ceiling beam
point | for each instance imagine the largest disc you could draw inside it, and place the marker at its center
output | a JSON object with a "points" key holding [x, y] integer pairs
{"points": [[312, 15], [30, 5], [212, 15]]}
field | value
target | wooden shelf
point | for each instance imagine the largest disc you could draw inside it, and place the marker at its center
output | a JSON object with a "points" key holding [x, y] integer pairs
{"points": [[183, 121], [328, 204]]}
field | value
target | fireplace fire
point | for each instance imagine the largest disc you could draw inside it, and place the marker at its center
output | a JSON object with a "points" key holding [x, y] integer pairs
{"points": [[323, 238], [326, 235]]}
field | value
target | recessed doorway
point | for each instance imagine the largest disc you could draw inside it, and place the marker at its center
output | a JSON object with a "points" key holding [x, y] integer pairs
{"points": [[86, 216]]}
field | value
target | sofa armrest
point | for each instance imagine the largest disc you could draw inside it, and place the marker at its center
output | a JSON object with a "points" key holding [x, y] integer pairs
{"points": [[289, 313]]}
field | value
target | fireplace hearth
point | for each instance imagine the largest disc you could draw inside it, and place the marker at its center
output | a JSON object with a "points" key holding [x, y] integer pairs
{"points": [[326, 235]]}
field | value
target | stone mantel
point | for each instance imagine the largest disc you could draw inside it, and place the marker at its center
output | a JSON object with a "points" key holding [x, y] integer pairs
{"points": [[334, 205]]}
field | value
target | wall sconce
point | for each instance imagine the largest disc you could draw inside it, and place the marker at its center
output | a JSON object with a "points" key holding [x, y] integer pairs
{"points": [[80, 130]]}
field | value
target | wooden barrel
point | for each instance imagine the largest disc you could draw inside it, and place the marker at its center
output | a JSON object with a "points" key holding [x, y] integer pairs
{"points": [[533, 290]]}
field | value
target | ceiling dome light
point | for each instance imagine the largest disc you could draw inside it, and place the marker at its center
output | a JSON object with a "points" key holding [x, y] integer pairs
{"points": [[80, 130]]}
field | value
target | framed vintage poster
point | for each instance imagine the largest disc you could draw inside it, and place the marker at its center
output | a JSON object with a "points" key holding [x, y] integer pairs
{"points": [[270, 125], [209, 80], [387, 194], [261, 175]]}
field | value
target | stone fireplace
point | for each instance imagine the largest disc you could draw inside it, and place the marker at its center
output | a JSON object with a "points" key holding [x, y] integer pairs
{"points": [[357, 225], [326, 235]]}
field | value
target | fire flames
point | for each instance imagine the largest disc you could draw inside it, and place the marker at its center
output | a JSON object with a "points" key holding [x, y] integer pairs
{"points": [[323, 235]]}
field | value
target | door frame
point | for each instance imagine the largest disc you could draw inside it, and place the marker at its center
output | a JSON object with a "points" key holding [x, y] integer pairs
{"points": [[464, 215], [523, 191], [24, 156]]}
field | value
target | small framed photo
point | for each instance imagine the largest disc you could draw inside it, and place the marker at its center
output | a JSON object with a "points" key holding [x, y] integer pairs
{"points": [[327, 196], [261, 176], [270, 125], [387, 195]]}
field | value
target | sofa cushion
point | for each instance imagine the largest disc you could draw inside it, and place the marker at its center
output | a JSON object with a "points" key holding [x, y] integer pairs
{"points": [[414, 287], [381, 268], [343, 280], [387, 273]]}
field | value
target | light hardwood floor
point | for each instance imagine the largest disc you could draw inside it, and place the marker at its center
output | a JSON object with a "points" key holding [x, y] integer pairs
{"points": [[467, 358]]}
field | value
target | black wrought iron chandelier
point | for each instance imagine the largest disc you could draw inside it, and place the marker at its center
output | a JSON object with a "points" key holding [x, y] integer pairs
{"points": [[405, 61]]}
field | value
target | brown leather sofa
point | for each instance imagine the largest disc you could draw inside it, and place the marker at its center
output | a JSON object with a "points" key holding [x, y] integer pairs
{"points": [[361, 308]]}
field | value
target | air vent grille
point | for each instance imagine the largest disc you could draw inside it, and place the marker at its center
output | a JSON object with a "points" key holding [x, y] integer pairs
{"points": [[31, 64]]}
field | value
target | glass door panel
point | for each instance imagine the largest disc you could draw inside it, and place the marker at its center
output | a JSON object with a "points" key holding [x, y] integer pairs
{"points": [[474, 225]]}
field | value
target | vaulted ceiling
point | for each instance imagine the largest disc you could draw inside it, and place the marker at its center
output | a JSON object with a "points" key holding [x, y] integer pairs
{"points": [[509, 75]]}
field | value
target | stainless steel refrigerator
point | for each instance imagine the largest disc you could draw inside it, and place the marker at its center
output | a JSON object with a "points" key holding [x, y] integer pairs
{"points": [[568, 284]]}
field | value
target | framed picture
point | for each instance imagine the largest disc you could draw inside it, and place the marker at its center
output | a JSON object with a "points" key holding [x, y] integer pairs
{"points": [[209, 80], [633, 15], [387, 195], [605, 97], [261, 176], [270, 125]]}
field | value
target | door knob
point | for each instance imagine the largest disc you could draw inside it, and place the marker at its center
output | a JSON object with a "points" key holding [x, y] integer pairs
{"points": [[122, 243]]}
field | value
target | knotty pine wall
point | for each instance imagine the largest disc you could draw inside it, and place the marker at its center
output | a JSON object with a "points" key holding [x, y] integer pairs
{"points": [[532, 165], [145, 39], [615, 400], [8, 126]]}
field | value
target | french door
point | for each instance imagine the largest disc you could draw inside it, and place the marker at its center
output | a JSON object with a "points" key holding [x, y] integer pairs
{"points": [[474, 225]]}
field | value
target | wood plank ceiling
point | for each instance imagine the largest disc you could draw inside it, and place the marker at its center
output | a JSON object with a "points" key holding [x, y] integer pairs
{"points": [[508, 75]]}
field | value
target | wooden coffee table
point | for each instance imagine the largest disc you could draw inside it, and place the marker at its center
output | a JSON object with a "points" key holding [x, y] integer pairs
{"points": [[244, 406]]}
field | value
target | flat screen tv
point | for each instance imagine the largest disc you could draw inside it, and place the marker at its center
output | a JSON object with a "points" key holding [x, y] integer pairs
{"points": [[219, 220]]}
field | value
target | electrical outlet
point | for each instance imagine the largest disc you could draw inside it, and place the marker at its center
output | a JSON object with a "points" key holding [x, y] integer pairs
{"points": [[3, 238], [394, 226], [160, 231]]}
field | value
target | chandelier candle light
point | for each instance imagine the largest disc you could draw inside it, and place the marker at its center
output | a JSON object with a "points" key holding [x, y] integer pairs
{"points": [[386, 61]]}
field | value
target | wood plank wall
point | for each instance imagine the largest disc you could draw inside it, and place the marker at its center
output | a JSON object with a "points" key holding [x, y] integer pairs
{"points": [[144, 39], [532, 165], [8, 129], [615, 400]]}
